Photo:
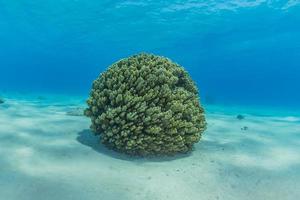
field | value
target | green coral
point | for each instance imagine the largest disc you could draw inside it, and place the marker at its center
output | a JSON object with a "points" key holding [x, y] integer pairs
{"points": [[146, 105]]}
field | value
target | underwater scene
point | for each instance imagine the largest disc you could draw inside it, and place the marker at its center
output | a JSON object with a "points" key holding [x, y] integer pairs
{"points": [[154, 100]]}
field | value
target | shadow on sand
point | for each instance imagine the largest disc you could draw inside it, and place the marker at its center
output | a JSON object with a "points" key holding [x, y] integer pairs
{"points": [[87, 138]]}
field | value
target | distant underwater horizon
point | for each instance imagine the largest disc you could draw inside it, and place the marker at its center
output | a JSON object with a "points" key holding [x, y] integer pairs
{"points": [[238, 52]]}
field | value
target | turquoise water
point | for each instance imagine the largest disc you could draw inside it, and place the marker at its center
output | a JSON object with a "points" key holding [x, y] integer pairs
{"points": [[238, 51], [244, 56]]}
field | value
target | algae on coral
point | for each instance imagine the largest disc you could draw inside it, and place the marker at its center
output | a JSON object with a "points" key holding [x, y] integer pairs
{"points": [[146, 105]]}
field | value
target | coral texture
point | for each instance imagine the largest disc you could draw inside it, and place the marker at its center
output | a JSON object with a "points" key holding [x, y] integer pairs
{"points": [[146, 105]]}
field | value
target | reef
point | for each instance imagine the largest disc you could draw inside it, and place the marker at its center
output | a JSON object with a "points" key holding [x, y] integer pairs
{"points": [[146, 105]]}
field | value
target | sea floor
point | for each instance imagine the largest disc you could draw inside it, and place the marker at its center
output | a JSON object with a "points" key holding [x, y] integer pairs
{"points": [[47, 152]]}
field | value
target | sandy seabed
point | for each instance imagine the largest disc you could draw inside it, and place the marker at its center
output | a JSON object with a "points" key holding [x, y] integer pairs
{"points": [[48, 153]]}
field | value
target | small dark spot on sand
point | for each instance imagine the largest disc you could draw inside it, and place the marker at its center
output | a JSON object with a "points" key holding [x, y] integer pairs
{"points": [[244, 128], [138, 193], [149, 178], [201, 182], [177, 170], [2, 101], [257, 182], [240, 117]]}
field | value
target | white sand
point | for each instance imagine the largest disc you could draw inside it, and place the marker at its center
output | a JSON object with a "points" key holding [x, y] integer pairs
{"points": [[46, 154]]}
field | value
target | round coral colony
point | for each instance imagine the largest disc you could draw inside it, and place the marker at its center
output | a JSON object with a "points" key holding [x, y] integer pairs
{"points": [[146, 105]]}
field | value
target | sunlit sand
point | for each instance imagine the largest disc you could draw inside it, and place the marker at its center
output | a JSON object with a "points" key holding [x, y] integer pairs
{"points": [[46, 153]]}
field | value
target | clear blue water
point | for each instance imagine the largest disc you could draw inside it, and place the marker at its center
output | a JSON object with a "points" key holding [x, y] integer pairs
{"points": [[243, 54], [238, 51]]}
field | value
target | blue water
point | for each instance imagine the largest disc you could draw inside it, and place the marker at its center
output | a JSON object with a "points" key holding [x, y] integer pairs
{"points": [[238, 51], [243, 54]]}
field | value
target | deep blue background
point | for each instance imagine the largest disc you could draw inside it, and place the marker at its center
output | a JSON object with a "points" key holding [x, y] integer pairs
{"points": [[242, 52]]}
